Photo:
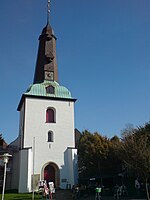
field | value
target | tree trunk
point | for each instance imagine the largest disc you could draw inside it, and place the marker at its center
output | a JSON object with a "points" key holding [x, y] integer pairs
{"points": [[146, 185]]}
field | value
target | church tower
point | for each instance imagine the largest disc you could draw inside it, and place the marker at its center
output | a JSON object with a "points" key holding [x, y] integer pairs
{"points": [[46, 140]]}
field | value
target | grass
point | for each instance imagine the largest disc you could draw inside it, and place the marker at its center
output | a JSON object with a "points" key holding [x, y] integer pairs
{"points": [[16, 196]]}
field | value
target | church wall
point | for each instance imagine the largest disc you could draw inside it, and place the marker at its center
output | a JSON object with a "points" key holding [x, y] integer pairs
{"points": [[72, 165], [63, 129], [21, 124], [75, 165], [15, 171], [25, 171]]}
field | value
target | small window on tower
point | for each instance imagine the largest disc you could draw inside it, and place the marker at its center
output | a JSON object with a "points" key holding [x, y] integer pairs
{"points": [[50, 115], [50, 136], [50, 89]]}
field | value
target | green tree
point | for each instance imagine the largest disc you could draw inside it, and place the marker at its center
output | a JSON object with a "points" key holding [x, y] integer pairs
{"points": [[98, 155], [92, 148], [136, 151]]}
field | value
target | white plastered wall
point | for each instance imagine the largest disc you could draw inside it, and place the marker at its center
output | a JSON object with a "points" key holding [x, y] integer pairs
{"points": [[72, 166], [36, 127], [25, 171]]}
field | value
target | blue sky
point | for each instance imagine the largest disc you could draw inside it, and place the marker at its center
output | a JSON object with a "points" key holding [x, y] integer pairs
{"points": [[103, 56]]}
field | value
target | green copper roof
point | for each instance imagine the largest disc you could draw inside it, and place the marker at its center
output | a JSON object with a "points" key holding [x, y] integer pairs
{"points": [[49, 89]]}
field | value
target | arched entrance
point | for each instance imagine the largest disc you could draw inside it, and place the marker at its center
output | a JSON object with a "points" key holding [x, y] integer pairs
{"points": [[50, 173]]}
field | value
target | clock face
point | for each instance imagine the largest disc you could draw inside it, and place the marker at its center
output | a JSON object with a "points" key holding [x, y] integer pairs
{"points": [[49, 76]]}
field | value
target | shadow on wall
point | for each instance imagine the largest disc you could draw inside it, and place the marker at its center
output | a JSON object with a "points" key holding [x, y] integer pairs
{"points": [[69, 171]]}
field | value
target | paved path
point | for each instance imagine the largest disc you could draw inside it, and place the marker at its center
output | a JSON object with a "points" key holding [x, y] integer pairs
{"points": [[63, 195], [67, 195]]}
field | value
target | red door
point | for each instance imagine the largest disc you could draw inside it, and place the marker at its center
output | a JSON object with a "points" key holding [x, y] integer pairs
{"points": [[49, 174]]}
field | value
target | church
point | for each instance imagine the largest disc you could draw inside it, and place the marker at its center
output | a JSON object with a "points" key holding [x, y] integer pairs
{"points": [[45, 147]]}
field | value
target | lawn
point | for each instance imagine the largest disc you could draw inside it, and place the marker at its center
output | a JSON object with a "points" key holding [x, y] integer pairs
{"points": [[15, 196]]}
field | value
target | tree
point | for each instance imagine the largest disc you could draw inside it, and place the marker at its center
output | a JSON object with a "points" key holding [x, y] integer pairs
{"points": [[129, 128], [136, 151], [98, 155], [92, 148]]}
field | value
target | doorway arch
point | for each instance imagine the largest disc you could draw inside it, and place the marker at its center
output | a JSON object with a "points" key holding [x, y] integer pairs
{"points": [[50, 173]]}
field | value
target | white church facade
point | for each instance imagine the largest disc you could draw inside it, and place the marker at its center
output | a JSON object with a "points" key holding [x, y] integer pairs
{"points": [[45, 148]]}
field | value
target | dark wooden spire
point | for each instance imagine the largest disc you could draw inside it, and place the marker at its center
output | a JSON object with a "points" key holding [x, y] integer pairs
{"points": [[46, 66]]}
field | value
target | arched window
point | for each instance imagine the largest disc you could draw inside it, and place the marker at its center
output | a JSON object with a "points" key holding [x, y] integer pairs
{"points": [[50, 115], [50, 136]]}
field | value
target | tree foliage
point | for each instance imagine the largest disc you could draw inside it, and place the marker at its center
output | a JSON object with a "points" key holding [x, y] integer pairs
{"points": [[99, 155], [135, 151], [96, 152]]}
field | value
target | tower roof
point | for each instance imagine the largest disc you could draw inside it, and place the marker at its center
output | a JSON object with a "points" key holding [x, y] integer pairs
{"points": [[45, 84], [49, 89], [46, 65]]}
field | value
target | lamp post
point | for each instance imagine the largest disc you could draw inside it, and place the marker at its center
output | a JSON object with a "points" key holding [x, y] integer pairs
{"points": [[5, 159]]}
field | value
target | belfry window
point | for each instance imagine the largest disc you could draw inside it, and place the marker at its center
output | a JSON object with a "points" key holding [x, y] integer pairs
{"points": [[50, 89], [50, 115], [50, 136]]}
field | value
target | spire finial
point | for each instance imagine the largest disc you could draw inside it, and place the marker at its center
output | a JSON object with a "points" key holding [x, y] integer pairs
{"points": [[48, 11]]}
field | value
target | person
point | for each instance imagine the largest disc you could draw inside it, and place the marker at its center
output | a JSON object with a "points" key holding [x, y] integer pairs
{"points": [[119, 192], [77, 192], [73, 189], [98, 192], [137, 186], [51, 189], [46, 191], [116, 191], [124, 191], [82, 190]]}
